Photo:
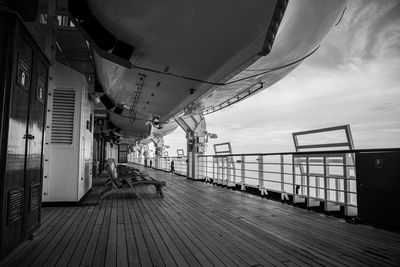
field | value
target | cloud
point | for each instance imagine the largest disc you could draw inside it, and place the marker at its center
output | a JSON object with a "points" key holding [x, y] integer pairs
{"points": [[369, 30], [384, 107]]}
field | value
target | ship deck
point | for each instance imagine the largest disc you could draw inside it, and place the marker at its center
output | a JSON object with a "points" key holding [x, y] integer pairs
{"points": [[198, 224]]}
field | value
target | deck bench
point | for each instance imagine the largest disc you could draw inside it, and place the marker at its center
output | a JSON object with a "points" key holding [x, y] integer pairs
{"points": [[121, 177]]}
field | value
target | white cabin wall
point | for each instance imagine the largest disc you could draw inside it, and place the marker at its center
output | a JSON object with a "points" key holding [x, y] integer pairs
{"points": [[86, 142], [64, 176]]}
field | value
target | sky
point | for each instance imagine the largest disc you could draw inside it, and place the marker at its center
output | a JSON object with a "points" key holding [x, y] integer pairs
{"points": [[354, 78]]}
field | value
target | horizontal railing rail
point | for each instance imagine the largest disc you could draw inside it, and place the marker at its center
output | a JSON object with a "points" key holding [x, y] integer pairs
{"points": [[315, 152]]}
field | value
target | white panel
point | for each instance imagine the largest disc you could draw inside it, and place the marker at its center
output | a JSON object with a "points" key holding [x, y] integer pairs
{"points": [[69, 110]]}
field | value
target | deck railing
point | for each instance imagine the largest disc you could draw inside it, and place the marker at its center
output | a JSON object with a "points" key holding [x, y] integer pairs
{"points": [[163, 163], [180, 164], [319, 178], [308, 178]]}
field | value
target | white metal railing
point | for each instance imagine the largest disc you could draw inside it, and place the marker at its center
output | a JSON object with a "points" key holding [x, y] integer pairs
{"points": [[309, 178], [180, 164], [164, 163]]}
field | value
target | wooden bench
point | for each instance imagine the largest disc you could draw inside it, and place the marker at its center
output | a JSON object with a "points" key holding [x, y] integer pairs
{"points": [[121, 177]]}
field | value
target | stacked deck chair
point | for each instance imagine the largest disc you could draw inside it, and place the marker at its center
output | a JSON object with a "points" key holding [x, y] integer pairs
{"points": [[122, 177]]}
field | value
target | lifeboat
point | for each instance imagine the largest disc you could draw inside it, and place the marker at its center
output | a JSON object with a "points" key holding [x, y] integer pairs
{"points": [[157, 60]]}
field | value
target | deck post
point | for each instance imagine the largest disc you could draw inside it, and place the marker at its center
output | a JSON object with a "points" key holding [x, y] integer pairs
{"points": [[225, 171], [311, 202], [348, 210], [328, 206], [284, 196], [233, 171], [230, 172], [243, 173], [261, 187], [213, 167], [218, 170], [296, 197], [206, 169]]}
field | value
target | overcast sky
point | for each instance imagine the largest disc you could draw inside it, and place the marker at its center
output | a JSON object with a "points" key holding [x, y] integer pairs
{"points": [[354, 78]]}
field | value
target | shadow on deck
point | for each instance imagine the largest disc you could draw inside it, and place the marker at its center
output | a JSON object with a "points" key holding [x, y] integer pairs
{"points": [[198, 224]]}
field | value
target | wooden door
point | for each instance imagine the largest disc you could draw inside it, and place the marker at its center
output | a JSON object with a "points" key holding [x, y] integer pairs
{"points": [[14, 178], [34, 153], [24, 81]]}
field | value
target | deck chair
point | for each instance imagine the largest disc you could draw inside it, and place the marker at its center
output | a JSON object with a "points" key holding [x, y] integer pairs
{"points": [[112, 183], [134, 177], [124, 170], [128, 179]]}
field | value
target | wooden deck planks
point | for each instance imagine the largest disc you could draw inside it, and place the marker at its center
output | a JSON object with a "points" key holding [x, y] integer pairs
{"points": [[198, 224], [25, 247], [246, 228], [90, 249], [163, 240], [217, 226]]}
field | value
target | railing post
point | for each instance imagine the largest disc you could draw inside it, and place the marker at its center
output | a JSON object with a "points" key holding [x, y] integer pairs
{"points": [[308, 180], [303, 179], [218, 171], [296, 198], [348, 210], [261, 187], [213, 166], [294, 178], [198, 166], [282, 174], [225, 171], [233, 171], [345, 187], [328, 205], [311, 202], [207, 179], [243, 173], [228, 176], [230, 172], [337, 185], [326, 182], [284, 196]]}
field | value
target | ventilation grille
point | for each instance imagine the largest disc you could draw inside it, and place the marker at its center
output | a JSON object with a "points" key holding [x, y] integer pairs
{"points": [[15, 199], [62, 123], [35, 196]]}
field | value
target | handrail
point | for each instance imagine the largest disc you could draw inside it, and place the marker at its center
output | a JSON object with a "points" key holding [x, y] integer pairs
{"points": [[313, 152]]}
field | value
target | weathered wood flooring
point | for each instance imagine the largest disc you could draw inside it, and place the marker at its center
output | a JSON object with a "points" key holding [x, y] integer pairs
{"points": [[198, 224]]}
